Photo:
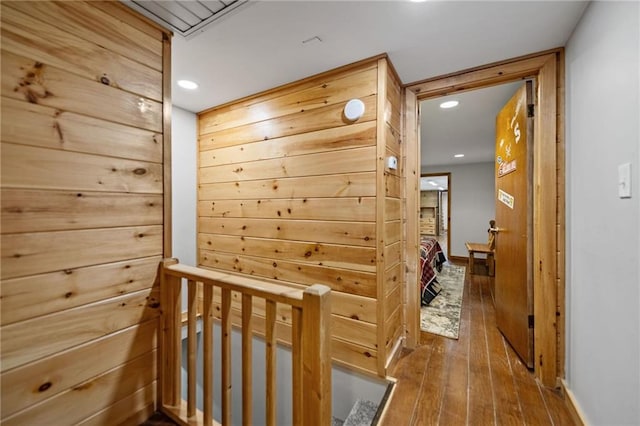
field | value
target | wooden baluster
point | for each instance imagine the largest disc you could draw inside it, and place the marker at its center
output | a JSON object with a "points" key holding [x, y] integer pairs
{"points": [[226, 356], [316, 323], [247, 360], [296, 363], [191, 348], [167, 283], [271, 347], [207, 350], [176, 342]]}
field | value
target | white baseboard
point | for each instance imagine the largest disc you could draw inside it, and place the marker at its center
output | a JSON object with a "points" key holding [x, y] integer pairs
{"points": [[572, 405]]}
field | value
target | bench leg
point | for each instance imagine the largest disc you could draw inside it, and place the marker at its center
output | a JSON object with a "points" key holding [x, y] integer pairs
{"points": [[471, 262], [491, 265]]}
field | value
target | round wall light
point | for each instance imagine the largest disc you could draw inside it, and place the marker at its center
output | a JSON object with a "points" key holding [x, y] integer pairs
{"points": [[354, 109]]}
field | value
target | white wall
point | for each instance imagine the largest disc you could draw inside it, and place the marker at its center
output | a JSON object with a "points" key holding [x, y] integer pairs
{"points": [[184, 184], [472, 203], [603, 236]]}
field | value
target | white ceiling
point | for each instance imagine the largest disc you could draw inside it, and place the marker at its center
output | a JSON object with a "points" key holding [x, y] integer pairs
{"points": [[467, 129], [259, 45], [434, 183]]}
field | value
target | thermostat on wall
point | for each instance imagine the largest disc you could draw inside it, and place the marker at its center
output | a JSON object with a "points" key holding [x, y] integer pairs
{"points": [[392, 163]]}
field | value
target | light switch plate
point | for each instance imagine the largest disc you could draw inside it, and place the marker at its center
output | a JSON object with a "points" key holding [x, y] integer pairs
{"points": [[624, 180]]}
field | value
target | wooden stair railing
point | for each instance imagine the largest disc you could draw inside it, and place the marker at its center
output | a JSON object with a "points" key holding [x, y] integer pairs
{"points": [[310, 346]]}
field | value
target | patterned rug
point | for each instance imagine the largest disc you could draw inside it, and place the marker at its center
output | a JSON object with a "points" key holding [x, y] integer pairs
{"points": [[442, 315]]}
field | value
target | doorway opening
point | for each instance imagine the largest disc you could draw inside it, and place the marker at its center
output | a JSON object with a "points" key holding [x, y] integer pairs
{"points": [[435, 202], [461, 142], [548, 195]]}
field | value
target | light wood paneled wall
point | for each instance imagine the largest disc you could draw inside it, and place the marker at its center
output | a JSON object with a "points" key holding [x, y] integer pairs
{"points": [[84, 140], [290, 190], [390, 281]]}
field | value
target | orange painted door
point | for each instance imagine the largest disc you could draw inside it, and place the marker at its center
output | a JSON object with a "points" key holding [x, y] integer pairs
{"points": [[513, 250]]}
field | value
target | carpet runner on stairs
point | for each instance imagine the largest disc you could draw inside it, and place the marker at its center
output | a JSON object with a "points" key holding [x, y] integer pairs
{"points": [[363, 413]]}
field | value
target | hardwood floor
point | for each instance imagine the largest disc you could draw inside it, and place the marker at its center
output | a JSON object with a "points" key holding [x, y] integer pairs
{"points": [[476, 380]]}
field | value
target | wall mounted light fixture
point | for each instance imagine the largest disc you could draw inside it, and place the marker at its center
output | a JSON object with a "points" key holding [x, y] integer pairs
{"points": [[354, 109]]}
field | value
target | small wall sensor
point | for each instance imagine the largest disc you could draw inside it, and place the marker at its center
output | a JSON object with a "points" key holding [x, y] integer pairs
{"points": [[392, 163], [354, 109]]}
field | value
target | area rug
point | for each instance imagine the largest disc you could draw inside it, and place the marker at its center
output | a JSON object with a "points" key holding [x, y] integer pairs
{"points": [[442, 315]]}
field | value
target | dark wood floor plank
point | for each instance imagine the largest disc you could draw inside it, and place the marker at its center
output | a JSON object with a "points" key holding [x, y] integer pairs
{"points": [[508, 409], [475, 380], [481, 404], [409, 373], [428, 405]]}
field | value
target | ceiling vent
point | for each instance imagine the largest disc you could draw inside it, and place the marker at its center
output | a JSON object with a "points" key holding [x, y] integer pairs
{"points": [[185, 17]]}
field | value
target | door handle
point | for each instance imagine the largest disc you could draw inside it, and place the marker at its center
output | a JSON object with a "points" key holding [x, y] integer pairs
{"points": [[495, 230]]}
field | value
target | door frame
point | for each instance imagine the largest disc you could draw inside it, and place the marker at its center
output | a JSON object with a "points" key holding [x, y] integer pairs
{"points": [[548, 195]]}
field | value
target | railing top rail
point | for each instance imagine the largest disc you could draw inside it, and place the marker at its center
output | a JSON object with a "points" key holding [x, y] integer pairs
{"points": [[256, 287]]}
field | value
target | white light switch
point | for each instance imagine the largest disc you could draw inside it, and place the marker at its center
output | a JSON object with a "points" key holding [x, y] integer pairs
{"points": [[624, 180]]}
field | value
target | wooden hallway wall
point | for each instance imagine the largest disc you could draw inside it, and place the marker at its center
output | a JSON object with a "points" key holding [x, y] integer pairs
{"points": [[85, 113], [290, 190]]}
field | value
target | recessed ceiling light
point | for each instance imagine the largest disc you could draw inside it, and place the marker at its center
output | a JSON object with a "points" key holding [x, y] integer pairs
{"points": [[449, 104], [459, 155], [187, 84]]}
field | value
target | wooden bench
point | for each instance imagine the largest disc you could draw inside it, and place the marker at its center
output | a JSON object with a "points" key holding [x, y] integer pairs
{"points": [[487, 249]]}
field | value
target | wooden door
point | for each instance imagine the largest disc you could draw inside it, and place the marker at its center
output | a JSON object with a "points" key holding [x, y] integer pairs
{"points": [[513, 271]]}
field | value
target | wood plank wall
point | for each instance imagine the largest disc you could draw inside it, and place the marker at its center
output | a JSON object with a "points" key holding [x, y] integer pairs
{"points": [[82, 212], [392, 285], [290, 190]]}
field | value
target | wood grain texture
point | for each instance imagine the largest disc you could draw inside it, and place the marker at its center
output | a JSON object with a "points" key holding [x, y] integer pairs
{"points": [[326, 163], [271, 396], [325, 92], [35, 82], [36, 338], [207, 353], [91, 24], [392, 232], [30, 167], [344, 185], [478, 376], [328, 209], [356, 258], [382, 259], [288, 191], [32, 383], [301, 122], [349, 233], [35, 253], [37, 125], [66, 51], [82, 211], [327, 140], [141, 403], [36, 295], [341, 280], [247, 360], [545, 208], [411, 215], [316, 376], [39, 210], [93, 395]]}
